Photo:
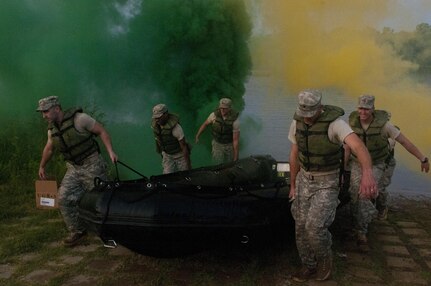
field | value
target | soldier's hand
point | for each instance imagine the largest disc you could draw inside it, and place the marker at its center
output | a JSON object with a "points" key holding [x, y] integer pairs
{"points": [[42, 174]]}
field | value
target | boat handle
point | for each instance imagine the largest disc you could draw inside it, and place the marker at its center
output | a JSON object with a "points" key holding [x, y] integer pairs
{"points": [[110, 244]]}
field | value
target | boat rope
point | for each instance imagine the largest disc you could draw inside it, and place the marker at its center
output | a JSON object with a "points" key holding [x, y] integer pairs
{"points": [[128, 167], [111, 190]]}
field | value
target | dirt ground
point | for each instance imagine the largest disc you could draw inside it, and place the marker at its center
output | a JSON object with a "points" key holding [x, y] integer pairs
{"points": [[399, 250]]}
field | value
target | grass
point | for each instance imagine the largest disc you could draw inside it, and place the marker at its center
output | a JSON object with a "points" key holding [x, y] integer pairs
{"points": [[24, 228]]}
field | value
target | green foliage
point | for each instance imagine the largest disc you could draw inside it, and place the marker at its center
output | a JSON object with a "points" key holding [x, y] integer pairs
{"points": [[15, 202], [21, 145], [411, 46]]}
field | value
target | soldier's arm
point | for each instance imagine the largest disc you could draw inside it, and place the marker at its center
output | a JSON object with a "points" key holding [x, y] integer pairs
{"points": [[99, 130], [294, 169], [412, 149], [46, 156], [235, 144], [201, 129], [368, 187]]}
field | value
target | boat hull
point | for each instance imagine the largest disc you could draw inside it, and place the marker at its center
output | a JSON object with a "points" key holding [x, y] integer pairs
{"points": [[172, 215]]}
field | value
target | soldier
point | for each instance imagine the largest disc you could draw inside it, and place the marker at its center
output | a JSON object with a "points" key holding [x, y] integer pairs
{"points": [[170, 140], [72, 133], [317, 135], [374, 129], [225, 132]]}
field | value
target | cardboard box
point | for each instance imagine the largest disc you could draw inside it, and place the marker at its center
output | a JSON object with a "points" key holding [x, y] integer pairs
{"points": [[46, 194]]}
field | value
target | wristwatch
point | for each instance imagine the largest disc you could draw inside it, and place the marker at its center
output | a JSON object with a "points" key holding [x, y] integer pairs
{"points": [[425, 160]]}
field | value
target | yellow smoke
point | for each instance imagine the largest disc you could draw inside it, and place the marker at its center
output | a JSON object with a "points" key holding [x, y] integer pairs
{"points": [[331, 45]]}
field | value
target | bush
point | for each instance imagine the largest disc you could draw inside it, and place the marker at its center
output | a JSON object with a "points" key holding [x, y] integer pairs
{"points": [[21, 145]]}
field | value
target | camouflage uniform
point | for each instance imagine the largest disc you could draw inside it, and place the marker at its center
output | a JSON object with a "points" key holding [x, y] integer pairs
{"points": [[173, 163], [316, 133], [224, 123], [382, 199], [78, 180], [73, 133], [363, 210], [313, 209], [168, 135], [222, 131], [222, 153], [375, 136]]}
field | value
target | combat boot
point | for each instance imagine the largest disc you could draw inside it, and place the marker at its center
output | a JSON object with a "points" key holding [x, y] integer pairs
{"points": [[304, 274], [324, 268], [74, 238]]}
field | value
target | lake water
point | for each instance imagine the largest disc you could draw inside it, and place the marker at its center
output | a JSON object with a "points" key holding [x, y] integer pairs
{"points": [[265, 124]]}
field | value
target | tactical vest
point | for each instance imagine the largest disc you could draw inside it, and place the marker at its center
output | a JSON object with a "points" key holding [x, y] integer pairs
{"points": [[163, 135], [376, 143], [390, 156], [222, 129], [316, 151], [74, 145]]}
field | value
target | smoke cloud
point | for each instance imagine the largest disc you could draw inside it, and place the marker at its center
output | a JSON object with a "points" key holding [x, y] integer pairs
{"points": [[119, 58], [331, 45]]}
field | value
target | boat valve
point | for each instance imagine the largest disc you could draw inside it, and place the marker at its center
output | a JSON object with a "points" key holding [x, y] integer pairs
{"points": [[245, 239]]}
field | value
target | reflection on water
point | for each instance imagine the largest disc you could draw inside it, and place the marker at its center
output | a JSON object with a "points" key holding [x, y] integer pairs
{"points": [[265, 124]]}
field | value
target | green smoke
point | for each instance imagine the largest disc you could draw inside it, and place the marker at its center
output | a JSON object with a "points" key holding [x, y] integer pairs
{"points": [[196, 51], [120, 58]]}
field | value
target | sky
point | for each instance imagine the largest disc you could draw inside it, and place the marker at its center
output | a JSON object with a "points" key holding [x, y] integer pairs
{"points": [[406, 14]]}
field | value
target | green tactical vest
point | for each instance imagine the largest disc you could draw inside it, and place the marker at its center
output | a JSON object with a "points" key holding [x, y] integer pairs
{"points": [[376, 143], [316, 151], [74, 145], [163, 135], [222, 129]]}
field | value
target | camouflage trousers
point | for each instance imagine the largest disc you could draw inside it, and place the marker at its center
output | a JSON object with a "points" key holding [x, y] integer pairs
{"points": [[363, 210], [222, 153], [382, 199], [78, 180], [314, 207], [173, 163]]}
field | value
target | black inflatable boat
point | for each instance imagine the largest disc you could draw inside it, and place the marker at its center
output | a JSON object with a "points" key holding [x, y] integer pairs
{"points": [[179, 213]]}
